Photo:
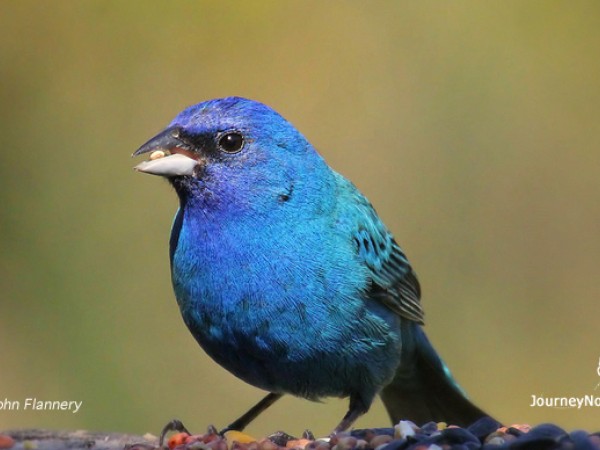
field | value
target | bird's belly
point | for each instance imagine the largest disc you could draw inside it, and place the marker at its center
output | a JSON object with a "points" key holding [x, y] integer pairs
{"points": [[296, 349], [303, 329]]}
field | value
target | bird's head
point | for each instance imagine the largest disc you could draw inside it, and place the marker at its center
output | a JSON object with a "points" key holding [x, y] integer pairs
{"points": [[234, 153]]}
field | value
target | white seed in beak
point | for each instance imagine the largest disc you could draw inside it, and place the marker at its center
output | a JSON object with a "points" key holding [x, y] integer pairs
{"points": [[157, 155]]}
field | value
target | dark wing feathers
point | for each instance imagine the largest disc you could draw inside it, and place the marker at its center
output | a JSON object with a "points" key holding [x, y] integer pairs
{"points": [[393, 281]]}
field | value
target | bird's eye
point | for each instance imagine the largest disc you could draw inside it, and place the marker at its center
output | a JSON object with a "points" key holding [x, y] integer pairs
{"points": [[231, 142]]}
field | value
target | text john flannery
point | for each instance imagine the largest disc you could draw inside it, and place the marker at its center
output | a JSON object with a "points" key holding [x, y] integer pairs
{"points": [[34, 404]]}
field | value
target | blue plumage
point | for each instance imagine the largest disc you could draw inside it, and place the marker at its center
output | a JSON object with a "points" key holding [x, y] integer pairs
{"points": [[284, 273]]}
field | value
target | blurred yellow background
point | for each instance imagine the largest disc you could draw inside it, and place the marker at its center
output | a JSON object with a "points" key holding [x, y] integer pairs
{"points": [[473, 127]]}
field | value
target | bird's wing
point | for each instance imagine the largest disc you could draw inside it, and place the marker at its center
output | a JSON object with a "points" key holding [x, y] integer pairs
{"points": [[393, 281]]}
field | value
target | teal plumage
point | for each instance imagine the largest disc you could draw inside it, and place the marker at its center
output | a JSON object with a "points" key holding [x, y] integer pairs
{"points": [[286, 276]]}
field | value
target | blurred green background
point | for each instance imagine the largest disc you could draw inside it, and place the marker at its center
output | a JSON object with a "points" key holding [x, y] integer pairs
{"points": [[473, 127]]}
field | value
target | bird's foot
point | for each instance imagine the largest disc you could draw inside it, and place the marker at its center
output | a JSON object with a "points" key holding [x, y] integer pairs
{"points": [[307, 434], [224, 430], [173, 425]]}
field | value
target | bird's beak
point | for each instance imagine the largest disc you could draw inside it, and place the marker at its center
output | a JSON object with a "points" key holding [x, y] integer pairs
{"points": [[169, 155]]}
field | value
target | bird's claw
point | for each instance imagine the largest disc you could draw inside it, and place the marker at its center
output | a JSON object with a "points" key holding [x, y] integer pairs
{"points": [[173, 425]]}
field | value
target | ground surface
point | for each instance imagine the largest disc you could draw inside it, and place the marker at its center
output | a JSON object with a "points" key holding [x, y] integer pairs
{"points": [[484, 434]]}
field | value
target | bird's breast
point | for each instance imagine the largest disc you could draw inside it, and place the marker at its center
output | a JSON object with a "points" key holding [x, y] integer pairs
{"points": [[274, 306]]}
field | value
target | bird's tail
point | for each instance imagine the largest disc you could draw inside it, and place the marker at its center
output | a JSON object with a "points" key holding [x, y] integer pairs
{"points": [[423, 388]]}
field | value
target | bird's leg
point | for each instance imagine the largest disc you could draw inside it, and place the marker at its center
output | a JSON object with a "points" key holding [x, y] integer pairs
{"points": [[173, 425], [243, 421], [356, 409]]}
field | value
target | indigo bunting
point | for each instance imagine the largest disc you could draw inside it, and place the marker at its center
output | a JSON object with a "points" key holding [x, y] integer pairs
{"points": [[286, 276]]}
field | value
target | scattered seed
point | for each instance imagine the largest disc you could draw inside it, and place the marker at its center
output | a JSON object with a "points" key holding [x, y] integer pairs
{"points": [[6, 441]]}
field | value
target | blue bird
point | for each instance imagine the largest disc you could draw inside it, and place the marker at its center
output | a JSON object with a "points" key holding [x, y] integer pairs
{"points": [[286, 276]]}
